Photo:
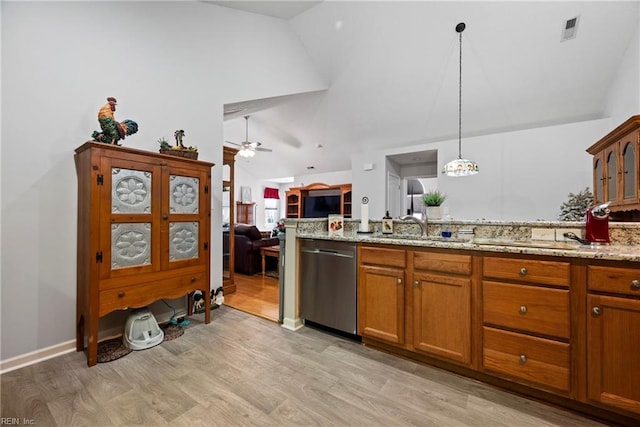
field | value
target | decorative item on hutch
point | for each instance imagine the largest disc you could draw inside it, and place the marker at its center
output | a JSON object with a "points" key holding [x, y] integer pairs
{"points": [[112, 131], [179, 149]]}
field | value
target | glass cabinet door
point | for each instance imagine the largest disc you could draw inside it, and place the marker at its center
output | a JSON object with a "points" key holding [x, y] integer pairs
{"points": [[598, 174], [612, 172], [629, 172]]}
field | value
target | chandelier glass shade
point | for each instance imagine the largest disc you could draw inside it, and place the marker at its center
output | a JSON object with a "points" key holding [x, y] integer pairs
{"points": [[460, 166]]}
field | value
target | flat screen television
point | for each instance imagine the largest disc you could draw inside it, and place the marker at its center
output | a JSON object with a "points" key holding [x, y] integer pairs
{"points": [[321, 206]]}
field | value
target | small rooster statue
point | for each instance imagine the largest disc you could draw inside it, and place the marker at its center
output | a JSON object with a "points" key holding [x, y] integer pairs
{"points": [[112, 131]]}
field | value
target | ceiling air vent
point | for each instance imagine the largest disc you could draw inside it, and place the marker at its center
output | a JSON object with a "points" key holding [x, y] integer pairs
{"points": [[570, 28]]}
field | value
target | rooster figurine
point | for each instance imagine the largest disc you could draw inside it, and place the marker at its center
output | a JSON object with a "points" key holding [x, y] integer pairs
{"points": [[112, 131]]}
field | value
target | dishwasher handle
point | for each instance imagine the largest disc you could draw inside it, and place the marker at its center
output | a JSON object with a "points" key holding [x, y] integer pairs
{"points": [[329, 252]]}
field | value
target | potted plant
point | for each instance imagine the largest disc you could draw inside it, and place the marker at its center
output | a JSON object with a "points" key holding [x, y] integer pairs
{"points": [[433, 199]]}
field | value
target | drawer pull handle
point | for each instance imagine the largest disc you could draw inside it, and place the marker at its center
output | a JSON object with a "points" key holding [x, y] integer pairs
{"points": [[523, 271], [523, 309], [120, 294], [635, 284], [399, 281], [416, 284], [523, 359], [596, 311], [193, 279]]}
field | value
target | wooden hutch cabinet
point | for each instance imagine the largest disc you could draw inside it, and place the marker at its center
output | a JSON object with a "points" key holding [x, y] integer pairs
{"points": [[615, 170], [143, 232], [295, 198]]}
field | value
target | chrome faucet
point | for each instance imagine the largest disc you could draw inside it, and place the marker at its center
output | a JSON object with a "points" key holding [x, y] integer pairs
{"points": [[424, 225]]}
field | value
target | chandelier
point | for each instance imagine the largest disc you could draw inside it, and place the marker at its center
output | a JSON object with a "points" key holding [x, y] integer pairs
{"points": [[460, 166]]}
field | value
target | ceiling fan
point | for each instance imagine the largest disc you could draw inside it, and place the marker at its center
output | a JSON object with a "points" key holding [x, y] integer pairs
{"points": [[247, 148]]}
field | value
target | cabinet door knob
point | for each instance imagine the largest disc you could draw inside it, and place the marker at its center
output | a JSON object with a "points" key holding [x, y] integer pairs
{"points": [[523, 359], [120, 294], [416, 284], [635, 284], [596, 310], [523, 271], [399, 281], [165, 216], [193, 279], [523, 309]]}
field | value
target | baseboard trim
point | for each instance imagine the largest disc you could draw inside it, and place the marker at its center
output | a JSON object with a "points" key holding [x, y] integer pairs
{"points": [[37, 356], [65, 347], [292, 324]]}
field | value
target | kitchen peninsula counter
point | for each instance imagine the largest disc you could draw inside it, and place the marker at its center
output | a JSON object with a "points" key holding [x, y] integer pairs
{"points": [[613, 252], [502, 302]]}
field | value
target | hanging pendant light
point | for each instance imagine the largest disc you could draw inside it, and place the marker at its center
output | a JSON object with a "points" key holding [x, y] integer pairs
{"points": [[460, 166]]}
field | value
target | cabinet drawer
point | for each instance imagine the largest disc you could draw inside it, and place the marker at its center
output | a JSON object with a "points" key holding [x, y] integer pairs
{"points": [[535, 360], [382, 256], [533, 271], [446, 263], [146, 293], [528, 308], [611, 279]]}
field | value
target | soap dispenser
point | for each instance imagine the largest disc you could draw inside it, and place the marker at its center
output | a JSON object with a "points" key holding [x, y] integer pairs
{"points": [[387, 224]]}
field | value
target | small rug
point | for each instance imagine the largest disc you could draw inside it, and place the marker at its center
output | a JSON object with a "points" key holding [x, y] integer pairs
{"points": [[114, 348]]}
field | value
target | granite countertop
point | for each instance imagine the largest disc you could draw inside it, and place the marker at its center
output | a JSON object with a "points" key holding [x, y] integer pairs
{"points": [[612, 252]]}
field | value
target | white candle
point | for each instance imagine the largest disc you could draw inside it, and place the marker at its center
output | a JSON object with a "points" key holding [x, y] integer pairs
{"points": [[364, 217]]}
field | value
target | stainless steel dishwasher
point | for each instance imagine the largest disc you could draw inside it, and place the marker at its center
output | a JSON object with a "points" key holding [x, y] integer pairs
{"points": [[328, 284]]}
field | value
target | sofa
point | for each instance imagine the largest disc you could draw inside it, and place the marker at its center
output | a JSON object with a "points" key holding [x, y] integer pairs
{"points": [[247, 243]]}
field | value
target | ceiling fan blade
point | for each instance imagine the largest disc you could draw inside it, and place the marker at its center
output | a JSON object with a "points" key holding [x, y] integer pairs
{"points": [[263, 149], [233, 143]]}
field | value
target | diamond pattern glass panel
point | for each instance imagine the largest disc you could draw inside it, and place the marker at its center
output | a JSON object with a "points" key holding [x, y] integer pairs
{"points": [[184, 194], [130, 245], [130, 191], [183, 240]]}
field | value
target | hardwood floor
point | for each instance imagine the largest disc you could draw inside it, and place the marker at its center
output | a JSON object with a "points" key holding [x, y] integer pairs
{"points": [[241, 370], [257, 295]]}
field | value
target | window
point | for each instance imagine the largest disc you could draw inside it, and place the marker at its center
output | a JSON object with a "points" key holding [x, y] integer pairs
{"points": [[270, 213]]}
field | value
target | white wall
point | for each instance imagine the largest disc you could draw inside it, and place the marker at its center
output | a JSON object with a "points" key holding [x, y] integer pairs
{"points": [[623, 100], [524, 175], [171, 65]]}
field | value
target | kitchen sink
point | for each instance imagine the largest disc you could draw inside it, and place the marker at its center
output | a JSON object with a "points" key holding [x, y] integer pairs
{"points": [[542, 244], [422, 238]]}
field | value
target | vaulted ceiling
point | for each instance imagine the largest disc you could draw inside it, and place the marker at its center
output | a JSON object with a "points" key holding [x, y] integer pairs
{"points": [[392, 75]]}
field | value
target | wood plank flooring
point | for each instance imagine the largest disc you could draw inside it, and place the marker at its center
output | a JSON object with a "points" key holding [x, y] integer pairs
{"points": [[242, 370], [257, 295]]}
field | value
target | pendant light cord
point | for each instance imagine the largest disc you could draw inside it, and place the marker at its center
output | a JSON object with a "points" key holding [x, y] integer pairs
{"points": [[460, 100]]}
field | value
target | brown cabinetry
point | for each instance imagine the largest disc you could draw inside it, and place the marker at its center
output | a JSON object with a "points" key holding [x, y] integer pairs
{"points": [[561, 328], [381, 277], [442, 286], [613, 341], [615, 169], [296, 196], [143, 232], [416, 314], [245, 213], [527, 323]]}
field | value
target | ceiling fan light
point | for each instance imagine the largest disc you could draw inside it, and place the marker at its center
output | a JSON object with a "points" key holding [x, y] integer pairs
{"points": [[245, 152], [460, 167]]}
